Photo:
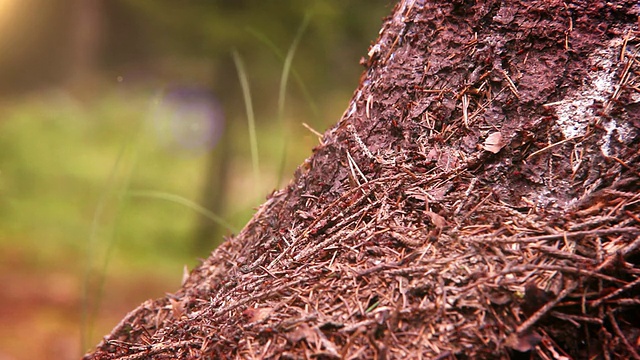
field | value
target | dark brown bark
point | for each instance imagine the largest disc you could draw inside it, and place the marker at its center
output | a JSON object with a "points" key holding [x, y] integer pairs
{"points": [[479, 198], [86, 40], [213, 198]]}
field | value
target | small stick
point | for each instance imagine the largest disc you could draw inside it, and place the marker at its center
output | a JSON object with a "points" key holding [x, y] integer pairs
{"points": [[364, 148], [600, 232], [574, 318], [465, 110], [515, 239], [551, 146], [624, 164], [352, 165], [512, 86], [314, 131], [616, 328], [545, 309], [158, 348], [258, 296], [623, 81], [625, 302], [627, 250], [632, 215], [624, 46], [630, 285], [472, 185]]}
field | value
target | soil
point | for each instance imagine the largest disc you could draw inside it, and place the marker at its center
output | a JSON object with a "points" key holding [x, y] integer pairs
{"points": [[478, 199], [41, 311]]}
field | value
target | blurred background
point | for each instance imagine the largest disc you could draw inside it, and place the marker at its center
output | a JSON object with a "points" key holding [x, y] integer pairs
{"points": [[136, 134]]}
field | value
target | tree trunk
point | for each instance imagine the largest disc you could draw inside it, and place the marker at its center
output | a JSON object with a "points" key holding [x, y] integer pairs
{"points": [[86, 42], [213, 196], [478, 199]]}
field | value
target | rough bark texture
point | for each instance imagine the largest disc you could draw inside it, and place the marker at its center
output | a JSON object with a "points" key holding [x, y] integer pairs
{"points": [[478, 199]]}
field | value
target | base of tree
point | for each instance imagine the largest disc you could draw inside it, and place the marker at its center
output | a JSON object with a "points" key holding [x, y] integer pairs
{"points": [[478, 199]]}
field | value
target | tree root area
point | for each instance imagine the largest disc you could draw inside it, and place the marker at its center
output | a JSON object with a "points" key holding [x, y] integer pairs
{"points": [[479, 198]]}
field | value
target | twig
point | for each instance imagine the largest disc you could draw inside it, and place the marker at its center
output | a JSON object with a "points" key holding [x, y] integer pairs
{"points": [[126, 320], [597, 232], [257, 296], [512, 86], [625, 165], [465, 110], [574, 318], [623, 81], [551, 146], [159, 348], [628, 286], [467, 193], [314, 131], [354, 166], [625, 251], [545, 309], [622, 337], [623, 49]]}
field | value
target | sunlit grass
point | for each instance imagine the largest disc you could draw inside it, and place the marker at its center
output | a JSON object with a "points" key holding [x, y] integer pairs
{"points": [[287, 69], [92, 295], [248, 102], [179, 200], [91, 181], [64, 167], [282, 94]]}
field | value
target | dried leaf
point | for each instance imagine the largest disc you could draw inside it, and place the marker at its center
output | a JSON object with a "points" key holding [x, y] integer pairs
{"points": [[185, 275], [302, 332], [438, 221], [499, 298], [493, 143], [305, 215], [524, 342], [591, 210], [257, 314], [177, 308]]}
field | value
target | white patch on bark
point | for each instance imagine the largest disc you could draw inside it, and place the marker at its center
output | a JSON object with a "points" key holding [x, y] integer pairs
{"points": [[576, 111]]}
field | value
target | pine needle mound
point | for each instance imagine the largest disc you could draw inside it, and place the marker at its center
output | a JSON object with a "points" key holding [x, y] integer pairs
{"points": [[467, 205], [393, 280]]}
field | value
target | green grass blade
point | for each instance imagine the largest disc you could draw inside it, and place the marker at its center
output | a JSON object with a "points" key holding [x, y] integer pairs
{"points": [[246, 93], [284, 78], [90, 311], [86, 321], [296, 75], [286, 69], [185, 202]]}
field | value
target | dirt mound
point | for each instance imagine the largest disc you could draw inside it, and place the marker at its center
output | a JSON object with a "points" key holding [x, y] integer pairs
{"points": [[478, 199]]}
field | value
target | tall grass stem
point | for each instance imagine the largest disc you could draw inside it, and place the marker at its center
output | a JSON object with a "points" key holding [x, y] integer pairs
{"points": [[90, 308], [253, 139], [282, 94], [160, 195]]}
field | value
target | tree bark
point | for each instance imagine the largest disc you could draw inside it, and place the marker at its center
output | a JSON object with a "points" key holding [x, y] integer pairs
{"points": [[478, 198], [86, 40]]}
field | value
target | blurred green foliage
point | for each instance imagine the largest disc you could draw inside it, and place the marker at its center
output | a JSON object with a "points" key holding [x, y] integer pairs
{"points": [[59, 158], [76, 155], [60, 147]]}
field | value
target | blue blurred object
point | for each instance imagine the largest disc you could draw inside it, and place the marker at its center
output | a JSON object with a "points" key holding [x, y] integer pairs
{"points": [[188, 117]]}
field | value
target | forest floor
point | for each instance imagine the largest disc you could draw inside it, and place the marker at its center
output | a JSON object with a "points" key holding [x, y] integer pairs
{"points": [[41, 311], [449, 212]]}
